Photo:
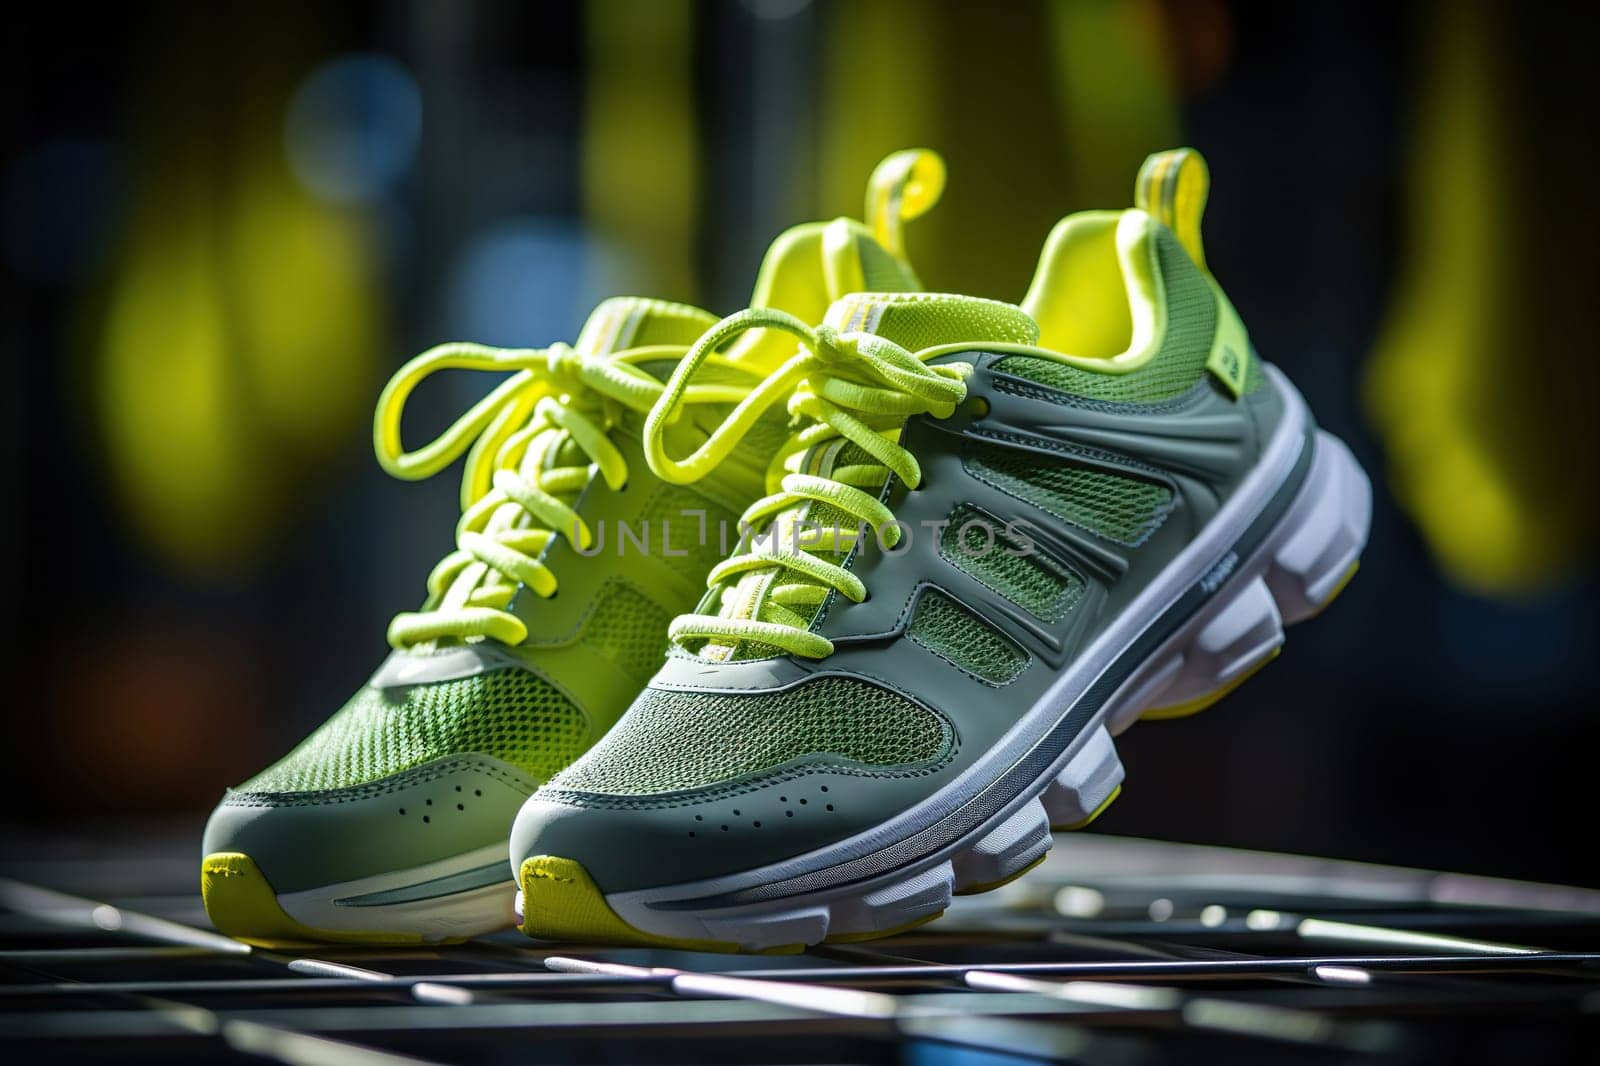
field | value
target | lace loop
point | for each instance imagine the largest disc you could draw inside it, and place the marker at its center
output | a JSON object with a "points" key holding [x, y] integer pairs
{"points": [[726, 437], [518, 470]]}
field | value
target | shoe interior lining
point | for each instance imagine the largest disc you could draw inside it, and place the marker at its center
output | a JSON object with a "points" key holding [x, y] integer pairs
{"points": [[1097, 292]]}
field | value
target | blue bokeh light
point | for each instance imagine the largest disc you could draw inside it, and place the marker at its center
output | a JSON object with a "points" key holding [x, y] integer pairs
{"points": [[528, 281], [353, 128]]}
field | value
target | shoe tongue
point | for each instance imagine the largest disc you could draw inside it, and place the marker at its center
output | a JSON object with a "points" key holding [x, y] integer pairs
{"points": [[809, 267], [635, 322], [916, 320], [815, 263]]}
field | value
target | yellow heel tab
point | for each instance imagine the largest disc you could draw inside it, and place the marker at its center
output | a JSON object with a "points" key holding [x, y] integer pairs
{"points": [[1172, 187], [902, 187]]}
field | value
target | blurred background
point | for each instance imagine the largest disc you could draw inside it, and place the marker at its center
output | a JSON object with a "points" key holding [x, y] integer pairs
{"points": [[224, 225]]}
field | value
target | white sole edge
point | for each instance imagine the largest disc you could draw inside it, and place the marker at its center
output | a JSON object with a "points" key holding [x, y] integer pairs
{"points": [[474, 912]]}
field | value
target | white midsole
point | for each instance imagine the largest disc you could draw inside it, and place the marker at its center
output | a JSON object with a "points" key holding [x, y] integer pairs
{"points": [[469, 913]]}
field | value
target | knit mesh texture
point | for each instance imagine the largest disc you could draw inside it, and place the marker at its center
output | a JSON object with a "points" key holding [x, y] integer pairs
{"points": [[956, 635], [1253, 376], [628, 629], [1123, 509], [510, 714], [1181, 362], [1015, 569], [923, 320], [670, 741]]}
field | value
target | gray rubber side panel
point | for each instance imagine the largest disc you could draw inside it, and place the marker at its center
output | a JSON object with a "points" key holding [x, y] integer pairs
{"points": [[308, 840], [403, 668]]}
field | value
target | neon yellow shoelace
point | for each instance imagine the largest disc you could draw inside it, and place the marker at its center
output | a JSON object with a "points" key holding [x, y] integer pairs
{"points": [[515, 491], [857, 386]]}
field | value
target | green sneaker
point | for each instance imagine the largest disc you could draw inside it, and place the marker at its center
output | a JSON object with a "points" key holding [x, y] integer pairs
{"points": [[388, 824], [1005, 534]]}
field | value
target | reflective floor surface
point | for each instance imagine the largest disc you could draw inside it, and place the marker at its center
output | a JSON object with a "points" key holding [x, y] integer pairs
{"points": [[1114, 950]]}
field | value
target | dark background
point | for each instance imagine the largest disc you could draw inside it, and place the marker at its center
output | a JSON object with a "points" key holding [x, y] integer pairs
{"points": [[225, 225]]}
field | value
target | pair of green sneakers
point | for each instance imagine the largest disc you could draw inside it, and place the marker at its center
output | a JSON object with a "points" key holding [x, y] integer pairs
{"points": [[788, 627]]}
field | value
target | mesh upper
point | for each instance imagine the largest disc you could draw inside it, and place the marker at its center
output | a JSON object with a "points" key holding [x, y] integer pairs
{"points": [[1031, 580], [957, 635], [510, 714], [1122, 509], [1181, 362], [629, 629], [679, 740], [1253, 377]]}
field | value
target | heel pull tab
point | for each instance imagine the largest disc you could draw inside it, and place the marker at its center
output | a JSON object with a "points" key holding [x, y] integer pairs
{"points": [[1172, 188], [902, 187]]}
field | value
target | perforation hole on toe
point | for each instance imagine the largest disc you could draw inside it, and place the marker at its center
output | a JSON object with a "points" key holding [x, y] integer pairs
{"points": [[763, 814]]}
